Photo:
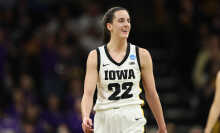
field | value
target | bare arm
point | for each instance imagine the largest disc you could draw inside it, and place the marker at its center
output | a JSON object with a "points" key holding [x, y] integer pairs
{"points": [[215, 108], [89, 87], [150, 89]]}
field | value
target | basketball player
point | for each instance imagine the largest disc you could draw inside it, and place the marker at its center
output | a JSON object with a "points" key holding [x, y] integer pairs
{"points": [[116, 68], [215, 108]]}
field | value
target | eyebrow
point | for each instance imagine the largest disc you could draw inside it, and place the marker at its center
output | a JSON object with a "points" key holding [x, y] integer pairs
{"points": [[124, 18]]}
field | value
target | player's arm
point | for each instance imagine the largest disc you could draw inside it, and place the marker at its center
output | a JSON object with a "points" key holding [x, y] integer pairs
{"points": [[89, 88], [150, 89], [215, 108]]}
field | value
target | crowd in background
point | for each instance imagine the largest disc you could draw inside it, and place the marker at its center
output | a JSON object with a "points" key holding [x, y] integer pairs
{"points": [[44, 45]]}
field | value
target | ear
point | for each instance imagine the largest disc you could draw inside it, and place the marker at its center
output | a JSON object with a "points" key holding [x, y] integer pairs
{"points": [[109, 26]]}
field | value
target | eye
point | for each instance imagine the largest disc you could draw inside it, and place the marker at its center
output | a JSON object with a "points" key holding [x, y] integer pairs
{"points": [[121, 20], [129, 21]]}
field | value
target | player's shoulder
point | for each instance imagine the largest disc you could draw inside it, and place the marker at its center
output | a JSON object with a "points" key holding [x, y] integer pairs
{"points": [[143, 52], [92, 56], [92, 59], [94, 51]]}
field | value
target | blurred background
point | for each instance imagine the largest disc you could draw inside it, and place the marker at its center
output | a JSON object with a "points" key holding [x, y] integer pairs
{"points": [[44, 46]]}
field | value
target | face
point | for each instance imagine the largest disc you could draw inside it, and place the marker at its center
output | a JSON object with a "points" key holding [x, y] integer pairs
{"points": [[120, 26]]}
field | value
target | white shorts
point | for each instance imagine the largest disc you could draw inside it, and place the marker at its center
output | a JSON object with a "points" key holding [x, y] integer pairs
{"points": [[126, 119]]}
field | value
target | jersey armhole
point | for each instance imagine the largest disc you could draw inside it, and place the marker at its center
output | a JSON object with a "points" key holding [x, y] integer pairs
{"points": [[138, 57], [98, 59]]}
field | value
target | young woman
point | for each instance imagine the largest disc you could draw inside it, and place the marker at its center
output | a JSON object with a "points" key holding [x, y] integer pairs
{"points": [[215, 108], [116, 68]]}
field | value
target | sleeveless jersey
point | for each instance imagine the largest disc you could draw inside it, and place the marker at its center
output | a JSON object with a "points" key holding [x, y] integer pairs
{"points": [[118, 83]]}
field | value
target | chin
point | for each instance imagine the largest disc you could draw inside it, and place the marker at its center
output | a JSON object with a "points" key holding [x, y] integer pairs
{"points": [[124, 36]]}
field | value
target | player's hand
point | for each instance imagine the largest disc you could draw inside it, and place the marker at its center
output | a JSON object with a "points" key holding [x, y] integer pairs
{"points": [[87, 125]]}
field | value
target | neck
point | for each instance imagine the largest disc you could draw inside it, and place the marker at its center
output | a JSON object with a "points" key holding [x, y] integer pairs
{"points": [[119, 45]]}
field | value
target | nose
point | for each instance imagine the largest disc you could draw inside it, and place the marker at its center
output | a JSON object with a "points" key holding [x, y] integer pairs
{"points": [[127, 24]]}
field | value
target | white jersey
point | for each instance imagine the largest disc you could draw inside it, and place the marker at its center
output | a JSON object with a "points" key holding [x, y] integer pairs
{"points": [[119, 83]]}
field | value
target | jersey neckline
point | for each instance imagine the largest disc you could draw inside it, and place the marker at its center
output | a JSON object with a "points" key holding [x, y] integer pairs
{"points": [[123, 60]]}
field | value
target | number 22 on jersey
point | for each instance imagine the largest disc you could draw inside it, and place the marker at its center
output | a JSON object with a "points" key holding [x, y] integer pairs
{"points": [[116, 94]]}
